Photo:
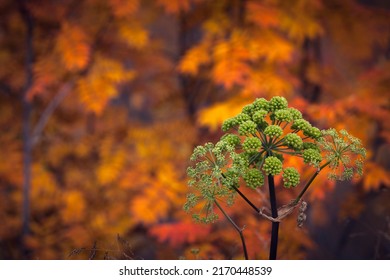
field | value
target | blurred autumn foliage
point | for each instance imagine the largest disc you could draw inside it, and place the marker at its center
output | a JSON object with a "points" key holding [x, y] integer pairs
{"points": [[102, 102]]}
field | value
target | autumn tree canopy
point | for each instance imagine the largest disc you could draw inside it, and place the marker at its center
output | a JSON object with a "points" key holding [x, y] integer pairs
{"points": [[103, 101]]}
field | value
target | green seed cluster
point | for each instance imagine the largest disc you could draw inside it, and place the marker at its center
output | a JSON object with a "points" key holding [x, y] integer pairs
{"points": [[231, 139], [312, 132], [228, 124], [295, 114], [247, 128], [258, 116], [256, 147], [251, 144], [241, 118], [198, 152], [293, 141], [230, 178], [261, 104], [312, 156], [283, 115], [272, 166], [291, 177], [253, 178], [301, 124], [248, 109], [344, 152], [273, 131], [277, 103]]}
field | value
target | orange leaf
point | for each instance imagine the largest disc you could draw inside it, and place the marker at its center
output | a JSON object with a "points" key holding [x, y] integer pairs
{"points": [[178, 233], [375, 176], [72, 44]]}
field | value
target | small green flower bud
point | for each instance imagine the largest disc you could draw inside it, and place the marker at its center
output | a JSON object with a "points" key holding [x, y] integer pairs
{"points": [[247, 128], [301, 124], [251, 144], [248, 109], [291, 177], [253, 178], [293, 141], [296, 114], [277, 103], [273, 131], [258, 116], [261, 104], [228, 124], [313, 132], [283, 115], [231, 139], [198, 152], [240, 118], [312, 156], [230, 178], [272, 166]]}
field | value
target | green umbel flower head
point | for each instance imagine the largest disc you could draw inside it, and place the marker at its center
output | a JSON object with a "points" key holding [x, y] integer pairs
{"points": [[253, 178], [251, 144], [272, 166], [247, 128], [312, 157], [248, 109], [258, 116], [261, 104], [312, 132], [295, 114], [277, 103], [231, 139], [241, 118], [291, 177], [228, 124], [207, 178], [273, 131], [283, 115], [344, 153], [301, 124], [293, 141], [260, 138]]}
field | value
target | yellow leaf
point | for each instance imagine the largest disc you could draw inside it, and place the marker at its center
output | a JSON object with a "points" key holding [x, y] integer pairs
{"points": [[110, 167], [134, 35], [194, 58], [100, 85], [213, 116]]}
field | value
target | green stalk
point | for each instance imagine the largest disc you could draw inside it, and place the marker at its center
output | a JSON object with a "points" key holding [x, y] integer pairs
{"points": [[239, 230], [309, 182], [243, 196]]}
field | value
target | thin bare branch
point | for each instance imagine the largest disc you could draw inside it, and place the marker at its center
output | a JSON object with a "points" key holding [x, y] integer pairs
{"points": [[239, 230], [48, 112]]}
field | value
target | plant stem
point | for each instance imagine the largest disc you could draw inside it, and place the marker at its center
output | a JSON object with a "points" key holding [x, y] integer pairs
{"points": [[243, 196], [239, 230], [275, 225], [246, 199], [309, 182]]}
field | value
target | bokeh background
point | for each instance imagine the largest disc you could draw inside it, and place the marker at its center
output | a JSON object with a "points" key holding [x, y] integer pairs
{"points": [[102, 102]]}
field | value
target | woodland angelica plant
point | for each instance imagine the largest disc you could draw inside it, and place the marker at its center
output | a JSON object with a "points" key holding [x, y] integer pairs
{"points": [[254, 148]]}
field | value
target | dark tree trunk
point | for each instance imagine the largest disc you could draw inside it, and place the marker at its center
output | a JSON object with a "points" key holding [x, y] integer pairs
{"points": [[26, 117]]}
